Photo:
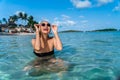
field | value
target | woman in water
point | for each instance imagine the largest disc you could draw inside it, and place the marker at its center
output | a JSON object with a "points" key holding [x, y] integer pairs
{"points": [[43, 46]]}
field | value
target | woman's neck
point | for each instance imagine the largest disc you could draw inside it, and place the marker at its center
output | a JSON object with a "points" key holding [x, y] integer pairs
{"points": [[44, 36], [43, 39]]}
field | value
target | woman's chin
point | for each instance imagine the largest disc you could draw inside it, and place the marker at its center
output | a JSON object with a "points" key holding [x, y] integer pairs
{"points": [[45, 32]]}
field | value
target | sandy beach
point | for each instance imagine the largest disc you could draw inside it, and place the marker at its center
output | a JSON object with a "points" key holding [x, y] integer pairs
{"points": [[2, 33]]}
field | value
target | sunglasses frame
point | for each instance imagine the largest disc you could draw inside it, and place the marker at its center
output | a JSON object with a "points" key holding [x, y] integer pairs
{"points": [[43, 24]]}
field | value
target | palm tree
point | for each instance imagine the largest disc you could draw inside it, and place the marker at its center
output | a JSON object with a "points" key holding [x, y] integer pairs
{"points": [[24, 17], [15, 18], [12, 20], [0, 22], [31, 22], [0, 26], [20, 16], [4, 20]]}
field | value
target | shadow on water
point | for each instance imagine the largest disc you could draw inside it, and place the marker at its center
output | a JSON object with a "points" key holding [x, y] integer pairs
{"points": [[61, 63], [118, 75], [40, 66]]}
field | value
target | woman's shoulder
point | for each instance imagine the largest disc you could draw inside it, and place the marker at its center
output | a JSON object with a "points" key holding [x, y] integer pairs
{"points": [[51, 38]]}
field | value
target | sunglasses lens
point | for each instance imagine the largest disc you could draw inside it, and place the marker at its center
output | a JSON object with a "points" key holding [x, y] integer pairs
{"points": [[48, 24], [43, 24]]}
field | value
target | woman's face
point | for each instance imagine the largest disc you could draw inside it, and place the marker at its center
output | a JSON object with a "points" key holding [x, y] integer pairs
{"points": [[45, 27]]}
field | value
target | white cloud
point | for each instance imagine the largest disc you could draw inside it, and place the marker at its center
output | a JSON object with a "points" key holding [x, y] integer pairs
{"points": [[57, 22], [105, 1], [56, 18], [102, 2], [64, 21], [81, 16], [117, 8], [70, 22], [84, 21], [65, 16], [89, 3], [81, 3]]}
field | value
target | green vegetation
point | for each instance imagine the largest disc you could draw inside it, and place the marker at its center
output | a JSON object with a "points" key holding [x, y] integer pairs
{"points": [[109, 29], [70, 31], [23, 17], [99, 30]]}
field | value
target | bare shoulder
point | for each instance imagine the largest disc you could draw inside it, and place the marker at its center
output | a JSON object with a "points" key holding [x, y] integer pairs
{"points": [[51, 39]]}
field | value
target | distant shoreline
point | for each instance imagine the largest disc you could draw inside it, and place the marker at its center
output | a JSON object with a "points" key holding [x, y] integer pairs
{"points": [[67, 31], [70, 31], [99, 30]]}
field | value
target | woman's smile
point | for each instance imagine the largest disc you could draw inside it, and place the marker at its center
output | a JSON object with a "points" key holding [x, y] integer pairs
{"points": [[45, 29]]}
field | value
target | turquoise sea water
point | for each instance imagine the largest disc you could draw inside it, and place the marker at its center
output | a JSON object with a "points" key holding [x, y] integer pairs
{"points": [[92, 55]]}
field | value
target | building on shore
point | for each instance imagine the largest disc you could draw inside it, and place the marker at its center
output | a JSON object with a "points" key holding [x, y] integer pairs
{"points": [[0, 29], [3, 27], [19, 29]]}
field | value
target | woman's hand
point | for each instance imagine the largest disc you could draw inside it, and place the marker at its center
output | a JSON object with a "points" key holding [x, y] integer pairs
{"points": [[54, 29], [37, 27]]}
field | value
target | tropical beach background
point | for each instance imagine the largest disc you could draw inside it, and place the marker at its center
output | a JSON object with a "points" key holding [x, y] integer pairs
{"points": [[89, 30]]}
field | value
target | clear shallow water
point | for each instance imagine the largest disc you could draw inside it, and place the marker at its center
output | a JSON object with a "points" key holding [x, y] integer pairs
{"points": [[93, 56]]}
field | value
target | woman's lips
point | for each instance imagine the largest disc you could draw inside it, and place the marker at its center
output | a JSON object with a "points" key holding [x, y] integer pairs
{"points": [[45, 29]]}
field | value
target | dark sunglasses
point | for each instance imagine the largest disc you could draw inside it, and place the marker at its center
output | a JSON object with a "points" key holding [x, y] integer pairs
{"points": [[48, 24]]}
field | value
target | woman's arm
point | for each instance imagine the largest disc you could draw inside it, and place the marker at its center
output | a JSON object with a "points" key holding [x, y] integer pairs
{"points": [[56, 39], [36, 42]]}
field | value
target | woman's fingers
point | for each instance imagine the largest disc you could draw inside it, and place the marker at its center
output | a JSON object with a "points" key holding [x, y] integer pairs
{"points": [[37, 26], [53, 25], [54, 28]]}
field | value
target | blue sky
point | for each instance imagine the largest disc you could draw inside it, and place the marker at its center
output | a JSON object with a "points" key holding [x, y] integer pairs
{"points": [[68, 14]]}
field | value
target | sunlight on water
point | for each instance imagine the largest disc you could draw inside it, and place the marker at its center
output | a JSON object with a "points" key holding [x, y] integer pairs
{"points": [[90, 56]]}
